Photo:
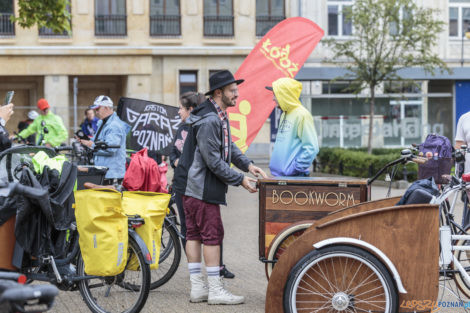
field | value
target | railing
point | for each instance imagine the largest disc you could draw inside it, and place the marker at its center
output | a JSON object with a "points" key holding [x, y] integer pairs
{"points": [[47, 32], [165, 25], [111, 25], [265, 23], [7, 28], [218, 26]]}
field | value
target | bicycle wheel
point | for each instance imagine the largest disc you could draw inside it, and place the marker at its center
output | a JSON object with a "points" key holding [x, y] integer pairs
{"points": [[170, 257], [113, 294], [283, 240], [464, 258], [340, 279]]}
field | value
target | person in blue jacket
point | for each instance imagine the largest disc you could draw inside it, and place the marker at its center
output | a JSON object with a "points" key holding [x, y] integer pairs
{"points": [[296, 143], [113, 132], [90, 124]]}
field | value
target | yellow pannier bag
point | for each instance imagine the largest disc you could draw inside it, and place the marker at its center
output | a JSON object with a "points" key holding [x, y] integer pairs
{"points": [[152, 207], [102, 228]]}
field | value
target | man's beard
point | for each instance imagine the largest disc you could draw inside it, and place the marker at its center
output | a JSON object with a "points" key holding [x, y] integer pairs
{"points": [[227, 101]]}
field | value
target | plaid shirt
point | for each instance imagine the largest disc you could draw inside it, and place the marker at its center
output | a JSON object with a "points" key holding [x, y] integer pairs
{"points": [[224, 119]]}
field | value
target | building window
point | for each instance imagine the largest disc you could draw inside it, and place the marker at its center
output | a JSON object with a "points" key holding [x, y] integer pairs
{"points": [[188, 81], [459, 18], [336, 87], [403, 15], [165, 18], [338, 24], [110, 18], [402, 87], [268, 14], [7, 28], [218, 18], [47, 32]]}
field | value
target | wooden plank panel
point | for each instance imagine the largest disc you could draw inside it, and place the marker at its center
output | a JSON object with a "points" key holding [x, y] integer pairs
{"points": [[274, 228], [312, 180], [293, 199], [408, 235], [286, 216], [311, 198]]}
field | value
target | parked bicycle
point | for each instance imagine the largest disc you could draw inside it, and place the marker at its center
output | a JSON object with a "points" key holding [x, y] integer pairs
{"points": [[125, 292], [171, 250]]}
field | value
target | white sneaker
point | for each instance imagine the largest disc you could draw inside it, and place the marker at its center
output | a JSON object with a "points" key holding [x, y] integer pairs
{"points": [[219, 295], [199, 290]]}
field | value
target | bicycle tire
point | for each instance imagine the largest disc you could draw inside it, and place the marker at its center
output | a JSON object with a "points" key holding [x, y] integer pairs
{"points": [[114, 291], [283, 240], [170, 257], [366, 277]]}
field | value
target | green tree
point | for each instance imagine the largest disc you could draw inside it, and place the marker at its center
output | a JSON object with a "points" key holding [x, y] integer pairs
{"points": [[53, 14], [388, 35]]}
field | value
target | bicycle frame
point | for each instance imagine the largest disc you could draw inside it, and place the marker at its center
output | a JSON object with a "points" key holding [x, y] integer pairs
{"points": [[447, 248]]}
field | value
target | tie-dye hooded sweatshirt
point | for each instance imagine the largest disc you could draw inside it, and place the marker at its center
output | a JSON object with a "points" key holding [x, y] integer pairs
{"points": [[296, 143]]}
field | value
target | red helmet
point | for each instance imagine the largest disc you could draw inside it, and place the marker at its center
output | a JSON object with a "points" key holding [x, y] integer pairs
{"points": [[43, 104]]}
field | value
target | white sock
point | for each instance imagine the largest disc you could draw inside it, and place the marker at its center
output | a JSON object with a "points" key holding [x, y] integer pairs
{"points": [[194, 268], [213, 271]]}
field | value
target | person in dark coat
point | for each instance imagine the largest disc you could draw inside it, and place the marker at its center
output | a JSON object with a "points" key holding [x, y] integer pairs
{"points": [[202, 176], [32, 115], [188, 101]]}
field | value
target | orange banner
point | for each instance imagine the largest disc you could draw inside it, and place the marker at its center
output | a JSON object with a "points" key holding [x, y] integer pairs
{"points": [[280, 53]]}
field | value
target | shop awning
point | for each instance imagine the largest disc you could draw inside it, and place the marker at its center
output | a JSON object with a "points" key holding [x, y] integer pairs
{"points": [[329, 73]]}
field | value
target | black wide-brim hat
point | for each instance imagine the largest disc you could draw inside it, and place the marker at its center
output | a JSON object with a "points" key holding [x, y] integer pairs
{"points": [[221, 79]]}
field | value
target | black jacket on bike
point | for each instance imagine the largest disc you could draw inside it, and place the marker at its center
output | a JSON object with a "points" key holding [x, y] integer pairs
{"points": [[5, 142]]}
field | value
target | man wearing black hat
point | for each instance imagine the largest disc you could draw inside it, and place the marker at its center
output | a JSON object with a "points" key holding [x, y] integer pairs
{"points": [[202, 177]]}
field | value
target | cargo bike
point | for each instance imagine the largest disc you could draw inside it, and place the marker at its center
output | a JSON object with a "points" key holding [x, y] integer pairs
{"points": [[50, 250], [365, 256]]}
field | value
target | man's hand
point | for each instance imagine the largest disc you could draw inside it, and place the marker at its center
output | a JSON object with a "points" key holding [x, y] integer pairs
{"points": [[176, 162], [256, 170], [87, 143], [6, 111], [246, 183]]}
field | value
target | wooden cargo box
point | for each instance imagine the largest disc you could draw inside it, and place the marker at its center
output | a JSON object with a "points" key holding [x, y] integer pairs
{"points": [[286, 200]]}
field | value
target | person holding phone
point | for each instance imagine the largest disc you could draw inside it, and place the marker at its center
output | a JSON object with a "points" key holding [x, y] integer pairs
{"points": [[49, 127], [6, 112]]}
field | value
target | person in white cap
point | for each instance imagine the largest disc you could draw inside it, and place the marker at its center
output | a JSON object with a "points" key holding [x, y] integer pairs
{"points": [[32, 115], [113, 132]]}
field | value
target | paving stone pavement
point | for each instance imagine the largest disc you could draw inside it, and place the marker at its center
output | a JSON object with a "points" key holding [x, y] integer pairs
{"points": [[240, 254]]}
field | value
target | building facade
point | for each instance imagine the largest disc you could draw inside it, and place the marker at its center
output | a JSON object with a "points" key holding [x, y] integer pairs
{"points": [[157, 49], [146, 49], [405, 113]]}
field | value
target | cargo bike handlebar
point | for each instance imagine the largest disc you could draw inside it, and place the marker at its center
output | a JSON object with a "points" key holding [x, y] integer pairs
{"points": [[406, 156]]}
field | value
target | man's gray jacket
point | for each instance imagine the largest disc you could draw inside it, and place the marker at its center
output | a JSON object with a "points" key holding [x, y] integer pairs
{"points": [[202, 172]]}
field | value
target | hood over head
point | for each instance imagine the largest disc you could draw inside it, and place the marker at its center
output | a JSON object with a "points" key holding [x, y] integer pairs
{"points": [[287, 92]]}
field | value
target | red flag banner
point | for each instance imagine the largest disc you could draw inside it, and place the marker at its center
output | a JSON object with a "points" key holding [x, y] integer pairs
{"points": [[280, 53]]}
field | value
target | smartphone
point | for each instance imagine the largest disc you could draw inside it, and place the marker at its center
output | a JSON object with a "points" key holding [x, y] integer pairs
{"points": [[9, 97]]}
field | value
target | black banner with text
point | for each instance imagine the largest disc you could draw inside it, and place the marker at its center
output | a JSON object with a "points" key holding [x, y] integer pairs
{"points": [[153, 125]]}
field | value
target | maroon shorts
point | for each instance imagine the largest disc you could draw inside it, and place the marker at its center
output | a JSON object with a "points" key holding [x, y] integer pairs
{"points": [[203, 221]]}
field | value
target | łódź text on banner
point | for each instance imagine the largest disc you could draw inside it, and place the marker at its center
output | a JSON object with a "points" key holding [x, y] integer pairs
{"points": [[280, 53]]}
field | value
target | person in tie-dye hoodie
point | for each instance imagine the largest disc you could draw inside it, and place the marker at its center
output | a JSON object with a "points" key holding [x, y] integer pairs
{"points": [[296, 143]]}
